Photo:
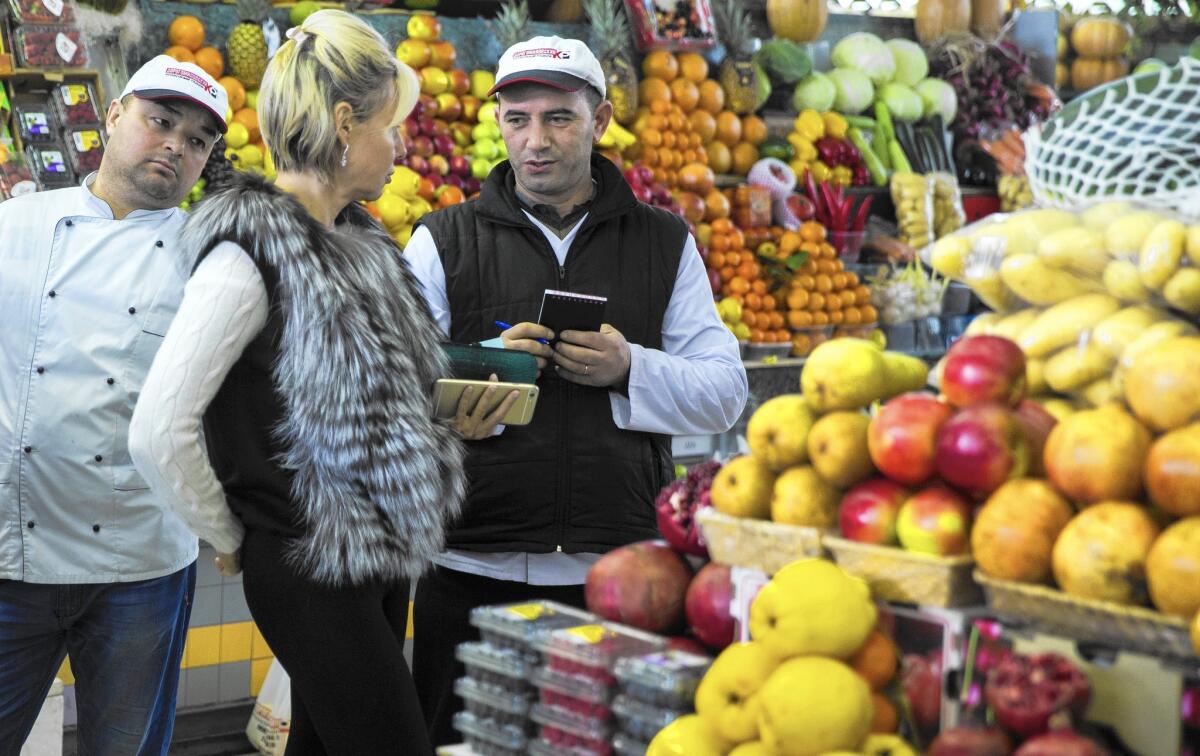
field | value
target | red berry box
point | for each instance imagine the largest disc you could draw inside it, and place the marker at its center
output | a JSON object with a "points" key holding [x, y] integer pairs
{"points": [[42, 11], [581, 726], [556, 742], [518, 626], [577, 693], [49, 163], [16, 179], [50, 47], [76, 104], [86, 148], [591, 651], [666, 680], [501, 667]]}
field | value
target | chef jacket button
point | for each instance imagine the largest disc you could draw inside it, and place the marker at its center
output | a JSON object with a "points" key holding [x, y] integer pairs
{"points": [[28, 449], [40, 369], [31, 523], [132, 310], [99, 458], [158, 243], [95, 528], [53, 294], [109, 381], [70, 223]]}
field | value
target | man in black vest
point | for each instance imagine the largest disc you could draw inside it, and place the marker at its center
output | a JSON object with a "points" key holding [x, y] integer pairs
{"points": [[548, 499]]}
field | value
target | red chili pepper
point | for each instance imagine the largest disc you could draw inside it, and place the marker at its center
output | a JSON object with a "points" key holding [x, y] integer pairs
{"points": [[864, 210]]}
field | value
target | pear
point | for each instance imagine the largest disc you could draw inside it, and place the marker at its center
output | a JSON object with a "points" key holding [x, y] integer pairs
{"points": [[778, 431], [837, 448], [743, 488], [844, 374]]}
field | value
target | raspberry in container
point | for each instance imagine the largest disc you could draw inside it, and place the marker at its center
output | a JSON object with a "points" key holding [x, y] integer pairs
{"points": [[625, 744], [592, 651], [667, 680], [573, 733], [494, 702], [75, 104], [576, 693], [86, 148], [495, 666], [42, 11], [49, 164], [35, 121], [502, 740], [50, 47], [518, 626], [15, 179], [641, 720]]}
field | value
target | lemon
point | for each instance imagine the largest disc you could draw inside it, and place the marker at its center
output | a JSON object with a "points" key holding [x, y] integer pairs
{"points": [[237, 136], [812, 705], [250, 156]]}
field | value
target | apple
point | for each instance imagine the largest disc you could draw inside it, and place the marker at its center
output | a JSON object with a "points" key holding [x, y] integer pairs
{"points": [[869, 511], [405, 182], [801, 207], [422, 26], [435, 178], [418, 163], [714, 281], [983, 369], [449, 106], [480, 168], [981, 447], [902, 438], [470, 106], [423, 146], [414, 53], [443, 144], [412, 125], [486, 149], [481, 83], [440, 127], [1037, 423], [460, 82], [442, 56], [434, 80], [643, 194], [472, 184], [454, 180], [460, 166], [426, 106], [439, 164], [935, 521]]}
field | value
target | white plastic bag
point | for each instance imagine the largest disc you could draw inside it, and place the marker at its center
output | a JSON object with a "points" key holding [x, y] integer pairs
{"points": [[272, 717]]}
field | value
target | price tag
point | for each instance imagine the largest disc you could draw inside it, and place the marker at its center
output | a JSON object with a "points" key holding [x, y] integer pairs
{"points": [[528, 612], [692, 446], [54, 6], [65, 47], [52, 161]]}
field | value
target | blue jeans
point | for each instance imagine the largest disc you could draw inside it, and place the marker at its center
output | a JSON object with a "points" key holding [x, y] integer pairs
{"points": [[125, 641]]}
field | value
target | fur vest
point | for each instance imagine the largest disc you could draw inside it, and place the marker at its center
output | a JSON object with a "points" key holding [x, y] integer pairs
{"points": [[375, 478]]}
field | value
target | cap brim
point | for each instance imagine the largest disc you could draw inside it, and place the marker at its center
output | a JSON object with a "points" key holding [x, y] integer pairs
{"points": [[170, 94], [556, 79]]}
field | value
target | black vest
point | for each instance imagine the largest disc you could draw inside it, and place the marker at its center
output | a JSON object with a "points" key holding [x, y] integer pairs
{"points": [[571, 480]]}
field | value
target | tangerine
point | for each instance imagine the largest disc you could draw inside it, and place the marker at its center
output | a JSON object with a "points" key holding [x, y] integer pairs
{"points": [[754, 302], [716, 260], [851, 279], [726, 273], [863, 294], [754, 130], [826, 266], [797, 299], [248, 118], [698, 178], [712, 96], [836, 317], [775, 318], [234, 91], [806, 282], [745, 155], [717, 205], [759, 286], [692, 67], [729, 128], [720, 159], [801, 345], [209, 58], [853, 316], [869, 314], [651, 138], [722, 226], [685, 94], [824, 283], [769, 302], [449, 194], [749, 316], [180, 53], [703, 125], [186, 32], [820, 318], [737, 240], [811, 231], [657, 92], [886, 719], [660, 64], [739, 284], [816, 302]]}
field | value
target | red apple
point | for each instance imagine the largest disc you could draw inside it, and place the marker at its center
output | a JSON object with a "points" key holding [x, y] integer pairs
{"points": [[417, 162], [412, 126], [1037, 424], [435, 178], [422, 26], [902, 437], [443, 144], [935, 521], [439, 164], [460, 166], [455, 180], [981, 447], [426, 106], [470, 107], [460, 82], [449, 106], [472, 185], [442, 55], [800, 206], [440, 127], [869, 511], [983, 369], [423, 146]]}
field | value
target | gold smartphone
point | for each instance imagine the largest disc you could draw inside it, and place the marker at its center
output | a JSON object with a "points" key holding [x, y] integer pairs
{"points": [[448, 391]]}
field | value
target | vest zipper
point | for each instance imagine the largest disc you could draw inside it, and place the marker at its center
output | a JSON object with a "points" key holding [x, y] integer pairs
{"points": [[564, 455], [562, 274]]}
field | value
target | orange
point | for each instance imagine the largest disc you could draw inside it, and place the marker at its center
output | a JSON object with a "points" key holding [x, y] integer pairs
{"points": [[715, 259], [886, 719], [659, 109], [179, 53], [660, 64], [811, 231], [801, 345], [770, 304], [716, 206], [692, 67], [824, 283], [676, 121], [722, 226], [820, 318], [754, 302], [789, 242], [737, 240], [759, 286], [739, 285], [839, 281], [816, 302], [745, 155], [726, 273], [729, 128], [757, 336], [836, 317], [719, 241], [698, 178], [852, 279], [853, 316], [656, 92], [754, 130], [685, 94], [209, 58], [796, 319], [703, 125], [826, 266], [849, 299], [863, 294], [248, 118], [448, 195], [832, 302], [712, 97], [809, 268], [425, 189], [749, 316], [806, 282], [776, 319], [797, 299], [235, 91], [720, 159], [869, 315], [187, 32], [668, 139]]}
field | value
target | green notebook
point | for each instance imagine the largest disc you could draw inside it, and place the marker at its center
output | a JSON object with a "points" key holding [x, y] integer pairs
{"points": [[471, 362]]}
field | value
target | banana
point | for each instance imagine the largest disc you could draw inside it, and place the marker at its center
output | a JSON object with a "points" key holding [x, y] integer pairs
{"points": [[616, 136], [1035, 376], [1119, 330], [991, 290], [1121, 279], [983, 324], [1075, 250], [1077, 366], [1061, 324], [1038, 283], [1182, 291], [1014, 325], [1161, 253]]}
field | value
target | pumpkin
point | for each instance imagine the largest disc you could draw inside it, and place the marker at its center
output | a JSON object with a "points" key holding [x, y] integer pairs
{"points": [[937, 18], [987, 16], [797, 20], [1101, 37], [1092, 72]]}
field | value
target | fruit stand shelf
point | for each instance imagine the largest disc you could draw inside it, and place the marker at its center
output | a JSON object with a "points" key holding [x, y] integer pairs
{"points": [[25, 76]]}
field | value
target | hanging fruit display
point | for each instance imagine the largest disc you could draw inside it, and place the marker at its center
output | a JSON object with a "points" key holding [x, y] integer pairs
{"points": [[610, 30], [746, 84]]}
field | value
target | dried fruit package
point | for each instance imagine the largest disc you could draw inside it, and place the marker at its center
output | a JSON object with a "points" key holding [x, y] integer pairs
{"points": [[913, 195], [15, 178]]}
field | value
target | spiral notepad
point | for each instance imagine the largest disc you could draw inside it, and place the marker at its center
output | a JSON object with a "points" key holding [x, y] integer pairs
{"points": [[568, 311]]}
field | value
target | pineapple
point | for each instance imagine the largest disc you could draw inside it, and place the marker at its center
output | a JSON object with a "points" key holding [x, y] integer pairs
{"points": [[610, 29], [246, 46], [744, 81], [512, 23]]}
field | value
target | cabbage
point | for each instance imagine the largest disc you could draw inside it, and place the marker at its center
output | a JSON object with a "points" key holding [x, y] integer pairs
{"points": [[785, 61], [939, 97], [814, 92], [854, 90], [867, 53], [905, 104], [911, 63]]}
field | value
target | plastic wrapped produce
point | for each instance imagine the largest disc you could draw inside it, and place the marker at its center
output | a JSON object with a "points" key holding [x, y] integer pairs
{"points": [[76, 104], [49, 165], [906, 294], [912, 193], [50, 47], [42, 11], [85, 146]]}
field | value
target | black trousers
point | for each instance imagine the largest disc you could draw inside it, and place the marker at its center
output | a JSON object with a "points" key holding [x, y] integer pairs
{"points": [[441, 614], [352, 692]]}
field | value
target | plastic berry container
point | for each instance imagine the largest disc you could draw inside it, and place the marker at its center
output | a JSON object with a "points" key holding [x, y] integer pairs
{"points": [[577, 693], [667, 680], [580, 725], [86, 149], [508, 738], [591, 651], [481, 747], [49, 165], [41, 46], [557, 736], [640, 719], [501, 667], [494, 702], [16, 179], [76, 104], [518, 626], [35, 121], [625, 744], [42, 11]]}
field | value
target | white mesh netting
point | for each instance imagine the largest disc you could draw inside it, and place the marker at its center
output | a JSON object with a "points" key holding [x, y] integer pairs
{"points": [[1136, 139]]}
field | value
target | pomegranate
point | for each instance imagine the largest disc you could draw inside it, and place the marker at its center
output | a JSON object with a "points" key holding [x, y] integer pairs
{"points": [[1060, 743], [971, 741], [678, 503], [1026, 691], [707, 605], [642, 585]]}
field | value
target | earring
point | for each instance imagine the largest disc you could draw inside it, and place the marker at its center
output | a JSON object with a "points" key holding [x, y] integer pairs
{"points": [[345, 155]]}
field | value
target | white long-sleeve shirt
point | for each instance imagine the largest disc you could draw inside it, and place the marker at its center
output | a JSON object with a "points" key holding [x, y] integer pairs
{"points": [[695, 384]]}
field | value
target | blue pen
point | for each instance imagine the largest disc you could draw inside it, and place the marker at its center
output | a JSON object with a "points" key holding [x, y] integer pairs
{"points": [[506, 326]]}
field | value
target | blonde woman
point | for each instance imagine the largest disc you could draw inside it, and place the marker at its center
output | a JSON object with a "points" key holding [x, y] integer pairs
{"points": [[303, 345]]}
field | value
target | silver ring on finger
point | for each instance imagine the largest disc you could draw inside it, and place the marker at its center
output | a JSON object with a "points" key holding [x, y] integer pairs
{"points": [[585, 369]]}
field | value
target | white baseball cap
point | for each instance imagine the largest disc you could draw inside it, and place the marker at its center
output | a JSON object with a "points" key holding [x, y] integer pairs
{"points": [[565, 64], [164, 78]]}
